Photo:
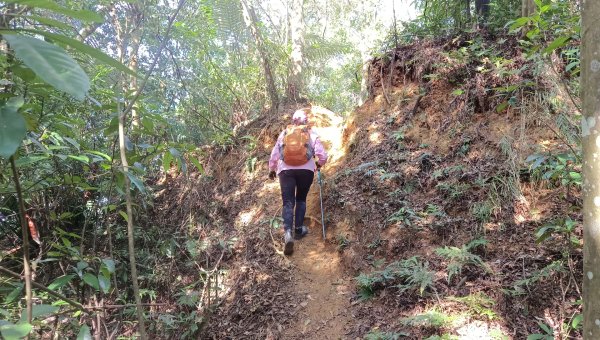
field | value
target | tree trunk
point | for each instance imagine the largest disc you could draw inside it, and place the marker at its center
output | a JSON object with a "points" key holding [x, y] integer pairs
{"points": [[590, 83], [135, 17], [482, 8], [468, 10], [295, 88], [527, 8], [251, 19]]}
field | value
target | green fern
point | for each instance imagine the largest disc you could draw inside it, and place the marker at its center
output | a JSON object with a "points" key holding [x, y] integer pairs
{"points": [[415, 274], [430, 319], [453, 191], [410, 273], [379, 335], [521, 286], [404, 215], [461, 257], [479, 304]]}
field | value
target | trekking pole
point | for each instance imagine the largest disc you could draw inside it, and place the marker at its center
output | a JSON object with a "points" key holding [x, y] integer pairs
{"points": [[321, 197]]}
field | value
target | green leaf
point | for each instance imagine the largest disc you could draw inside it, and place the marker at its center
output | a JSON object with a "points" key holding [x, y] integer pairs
{"points": [[81, 265], [41, 310], [84, 333], [83, 15], [14, 294], [535, 336], [109, 264], [571, 66], [11, 331], [12, 127], [520, 22], [124, 215], [49, 22], [51, 63], [557, 43], [502, 106], [167, 159], [23, 72], [30, 160], [576, 321], [137, 182], [457, 92], [104, 283], [85, 49], [83, 159], [545, 327], [91, 280], [61, 281], [98, 153], [197, 164]]}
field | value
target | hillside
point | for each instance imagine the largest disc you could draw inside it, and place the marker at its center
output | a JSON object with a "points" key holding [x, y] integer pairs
{"points": [[434, 198]]}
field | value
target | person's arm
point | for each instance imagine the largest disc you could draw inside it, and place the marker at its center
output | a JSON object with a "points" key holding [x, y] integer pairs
{"points": [[275, 154], [320, 152]]}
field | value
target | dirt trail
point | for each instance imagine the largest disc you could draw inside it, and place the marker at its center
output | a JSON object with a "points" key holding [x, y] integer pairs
{"points": [[319, 275]]}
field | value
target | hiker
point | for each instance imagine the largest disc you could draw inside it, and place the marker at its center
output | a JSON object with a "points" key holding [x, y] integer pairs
{"points": [[292, 160]]}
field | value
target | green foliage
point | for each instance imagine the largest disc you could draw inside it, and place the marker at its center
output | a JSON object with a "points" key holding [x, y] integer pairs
{"points": [[434, 210], [479, 304], [443, 173], [563, 226], [461, 257], [409, 274], [483, 211], [399, 134], [404, 216], [12, 331], [453, 191], [430, 319], [444, 336], [376, 334], [12, 127], [342, 242], [51, 63], [547, 335], [522, 286], [559, 170]]}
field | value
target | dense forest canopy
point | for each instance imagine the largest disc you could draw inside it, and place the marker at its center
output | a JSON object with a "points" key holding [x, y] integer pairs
{"points": [[106, 104]]}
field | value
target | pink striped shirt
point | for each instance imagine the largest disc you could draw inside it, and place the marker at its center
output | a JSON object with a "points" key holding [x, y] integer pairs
{"points": [[275, 162]]}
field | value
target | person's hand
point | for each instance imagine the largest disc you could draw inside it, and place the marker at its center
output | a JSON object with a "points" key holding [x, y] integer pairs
{"points": [[272, 175]]}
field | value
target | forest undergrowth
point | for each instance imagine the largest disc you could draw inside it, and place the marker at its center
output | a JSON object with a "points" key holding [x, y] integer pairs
{"points": [[452, 204], [454, 207]]}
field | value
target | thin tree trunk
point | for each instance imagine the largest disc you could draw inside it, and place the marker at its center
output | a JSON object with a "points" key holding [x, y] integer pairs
{"points": [[251, 20], [527, 8], [136, 15], [590, 83], [130, 231], [468, 10], [5, 20], [25, 234], [122, 115], [295, 86]]}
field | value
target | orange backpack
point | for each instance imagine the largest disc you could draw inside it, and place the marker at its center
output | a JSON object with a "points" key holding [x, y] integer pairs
{"points": [[297, 149]]}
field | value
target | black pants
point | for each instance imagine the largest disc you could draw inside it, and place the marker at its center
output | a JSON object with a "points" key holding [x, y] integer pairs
{"points": [[294, 189]]}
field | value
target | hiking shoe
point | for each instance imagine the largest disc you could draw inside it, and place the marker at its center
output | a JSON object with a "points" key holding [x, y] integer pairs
{"points": [[288, 248], [301, 232]]}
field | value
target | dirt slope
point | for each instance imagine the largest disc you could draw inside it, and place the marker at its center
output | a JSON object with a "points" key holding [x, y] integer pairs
{"points": [[418, 173]]}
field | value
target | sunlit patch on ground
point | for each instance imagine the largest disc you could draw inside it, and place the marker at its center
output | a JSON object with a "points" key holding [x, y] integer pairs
{"points": [[477, 330], [375, 138], [246, 217]]}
